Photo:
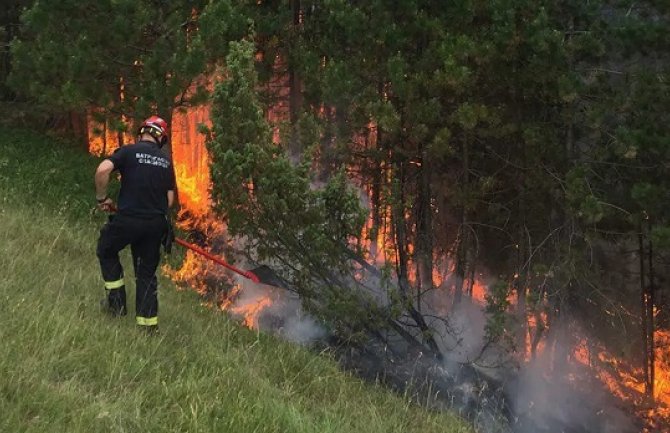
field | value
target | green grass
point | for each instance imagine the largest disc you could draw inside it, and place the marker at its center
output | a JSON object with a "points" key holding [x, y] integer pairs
{"points": [[64, 367]]}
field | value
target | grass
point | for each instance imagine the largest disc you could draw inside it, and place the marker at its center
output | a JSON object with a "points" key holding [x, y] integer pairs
{"points": [[64, 367]]}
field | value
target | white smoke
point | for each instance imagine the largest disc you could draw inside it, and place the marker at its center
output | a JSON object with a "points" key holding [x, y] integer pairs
{"points": [[282, 315], [571, 397]]}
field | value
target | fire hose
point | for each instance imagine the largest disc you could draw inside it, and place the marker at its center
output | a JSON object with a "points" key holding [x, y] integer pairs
{"points": [[196, 249]]}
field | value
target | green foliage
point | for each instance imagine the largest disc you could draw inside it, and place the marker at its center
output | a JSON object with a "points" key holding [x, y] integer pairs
{"points": [[124, 57], [533, 124], [627, 157], [660, 235], [270, 201], [9, 25], [493, 116], [50, 176], [580, 196], [499, 326]]}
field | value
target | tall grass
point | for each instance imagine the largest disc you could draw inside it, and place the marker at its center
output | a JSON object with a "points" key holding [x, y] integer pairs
{"points": [[65, 367]]}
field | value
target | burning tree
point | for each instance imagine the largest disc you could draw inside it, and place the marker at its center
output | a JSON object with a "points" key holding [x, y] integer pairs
{"points": [[305, 230], [476, 136]]}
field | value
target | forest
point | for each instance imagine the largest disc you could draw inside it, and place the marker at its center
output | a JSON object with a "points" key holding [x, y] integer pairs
{"points": [[485, 182]]}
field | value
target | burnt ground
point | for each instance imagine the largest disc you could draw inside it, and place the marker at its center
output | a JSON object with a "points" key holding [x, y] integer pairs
{"points": [[493, 405]]}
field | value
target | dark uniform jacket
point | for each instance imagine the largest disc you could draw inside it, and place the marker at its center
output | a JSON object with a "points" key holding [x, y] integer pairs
{"points": [[147, 175]]}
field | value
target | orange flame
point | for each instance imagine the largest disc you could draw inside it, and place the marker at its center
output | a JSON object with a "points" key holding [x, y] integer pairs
{"points": [[102, 138], [191, 160], [250, 310]]}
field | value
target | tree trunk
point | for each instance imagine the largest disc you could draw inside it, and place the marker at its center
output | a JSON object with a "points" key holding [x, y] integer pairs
{"points": [[459, 268], [647, 315], [168, 118], [375, 196], [647, 306], [424, 229], [398, 217], [79, 128], [378, 178], [295, 91], [652, 323], [463, 234]]}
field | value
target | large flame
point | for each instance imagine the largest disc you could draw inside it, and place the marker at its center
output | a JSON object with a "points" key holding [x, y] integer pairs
{"points": [[624, 380], [191, 160]]}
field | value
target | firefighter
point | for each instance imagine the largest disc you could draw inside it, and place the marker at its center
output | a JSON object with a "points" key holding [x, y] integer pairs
{"points": [[147, 192]]}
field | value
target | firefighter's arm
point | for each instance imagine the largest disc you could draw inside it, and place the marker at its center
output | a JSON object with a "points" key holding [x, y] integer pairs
{"points": [[101, 181], [170, 197]]}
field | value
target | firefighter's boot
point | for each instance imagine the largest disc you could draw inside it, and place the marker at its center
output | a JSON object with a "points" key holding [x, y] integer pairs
{"points": [[115, 303]]}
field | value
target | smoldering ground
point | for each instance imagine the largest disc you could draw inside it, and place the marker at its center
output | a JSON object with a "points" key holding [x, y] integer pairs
{"points": [[496, 394]]}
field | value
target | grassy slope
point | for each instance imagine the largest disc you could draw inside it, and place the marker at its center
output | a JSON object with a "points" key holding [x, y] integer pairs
{"points": [[66, 368]]}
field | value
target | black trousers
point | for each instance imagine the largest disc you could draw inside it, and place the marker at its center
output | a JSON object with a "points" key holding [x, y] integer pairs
{"points": [[144, 237]]}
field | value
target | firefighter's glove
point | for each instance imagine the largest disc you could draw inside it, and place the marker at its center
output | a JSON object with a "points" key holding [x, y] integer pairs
{"points": [[168, 238]]}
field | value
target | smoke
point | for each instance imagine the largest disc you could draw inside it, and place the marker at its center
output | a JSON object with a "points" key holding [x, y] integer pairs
{"points": [[462, 334], [548, 394], [545, 396], [279, 312], [302, 329]]}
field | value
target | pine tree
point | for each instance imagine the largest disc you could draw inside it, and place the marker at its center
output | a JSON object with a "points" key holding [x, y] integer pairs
{"points": [[127, 59], [9, 24]]}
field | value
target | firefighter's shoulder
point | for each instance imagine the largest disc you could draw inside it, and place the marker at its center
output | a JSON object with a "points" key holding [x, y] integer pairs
{"points": [[122, 147]]}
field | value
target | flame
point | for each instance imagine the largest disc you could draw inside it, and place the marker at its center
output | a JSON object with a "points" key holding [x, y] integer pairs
{"points": [[279, 89], [479, 291], [191, 266], [382, 249], [102, 138], [189, 154], [191, 160], [191, 274], [250, 310], [624, 381]]}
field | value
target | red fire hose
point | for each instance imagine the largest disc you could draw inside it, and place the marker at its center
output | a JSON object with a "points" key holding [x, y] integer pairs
{"points": [[196, 249]]}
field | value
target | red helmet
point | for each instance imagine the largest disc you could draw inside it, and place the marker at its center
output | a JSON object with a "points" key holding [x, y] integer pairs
{"points": [[157, 128]]}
